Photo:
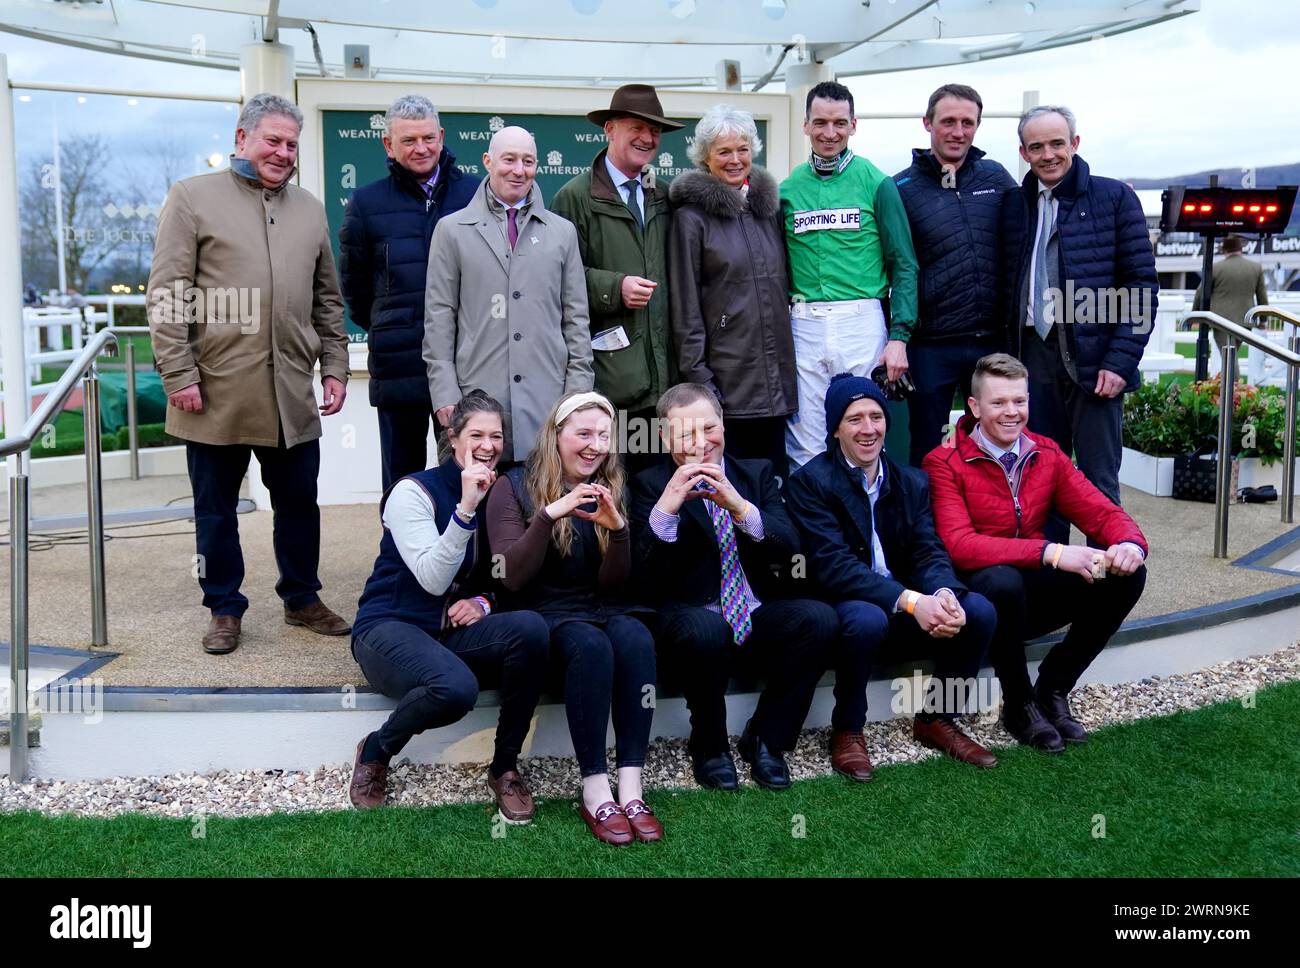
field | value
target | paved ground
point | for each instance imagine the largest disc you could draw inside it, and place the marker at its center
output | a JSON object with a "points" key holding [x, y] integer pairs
{"points": [[155, 619]]}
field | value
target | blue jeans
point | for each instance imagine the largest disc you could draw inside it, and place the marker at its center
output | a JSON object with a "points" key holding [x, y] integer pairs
{"points": [[604, 667], [289, 473], [435, 684], [939, 370], [865, 630]]}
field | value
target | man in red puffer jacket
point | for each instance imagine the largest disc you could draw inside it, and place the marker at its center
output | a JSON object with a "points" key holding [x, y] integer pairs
{"points": [[992, 494]]}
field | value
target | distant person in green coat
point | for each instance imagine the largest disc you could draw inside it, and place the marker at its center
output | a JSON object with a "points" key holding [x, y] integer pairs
{"points": [[850, 249], [1237, 286], [622, 218]]}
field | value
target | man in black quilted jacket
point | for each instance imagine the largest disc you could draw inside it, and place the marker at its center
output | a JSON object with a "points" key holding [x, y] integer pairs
{"points": [[1080, 291], [952, 194], [383, 260]]}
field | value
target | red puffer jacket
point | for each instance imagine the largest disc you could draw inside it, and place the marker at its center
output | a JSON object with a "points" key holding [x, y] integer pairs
{"points": [[985, 518]]}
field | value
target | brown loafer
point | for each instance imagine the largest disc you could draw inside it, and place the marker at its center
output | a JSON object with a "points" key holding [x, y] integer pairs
{"points": [[642, 821], [369, 782], [222, 635], [514, 800], [318, 618], [609, 825], [943, 735], [849, 755]]}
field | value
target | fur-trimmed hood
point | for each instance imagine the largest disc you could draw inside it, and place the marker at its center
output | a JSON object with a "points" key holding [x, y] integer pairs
{"points": [[720, 200]]}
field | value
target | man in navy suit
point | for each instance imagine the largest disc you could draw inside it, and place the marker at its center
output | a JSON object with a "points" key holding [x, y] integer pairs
{"points": [[383, 261], [714, 549]]}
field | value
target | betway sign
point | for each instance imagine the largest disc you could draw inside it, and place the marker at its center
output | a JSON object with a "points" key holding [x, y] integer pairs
{"points": [[1273, 245]]}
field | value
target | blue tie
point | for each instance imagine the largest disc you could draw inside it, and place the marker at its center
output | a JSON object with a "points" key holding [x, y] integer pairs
{"points": [[632, 184], [1008, 462]]}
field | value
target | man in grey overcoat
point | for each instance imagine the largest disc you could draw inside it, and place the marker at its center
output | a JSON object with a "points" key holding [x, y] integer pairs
{"points": [[506, 298]]}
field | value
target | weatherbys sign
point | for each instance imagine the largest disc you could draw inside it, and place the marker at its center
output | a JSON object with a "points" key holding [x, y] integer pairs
{"points": [[566, 145]]}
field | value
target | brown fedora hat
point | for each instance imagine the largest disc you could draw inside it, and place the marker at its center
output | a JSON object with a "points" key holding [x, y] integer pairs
{"points": [[638, 101]]}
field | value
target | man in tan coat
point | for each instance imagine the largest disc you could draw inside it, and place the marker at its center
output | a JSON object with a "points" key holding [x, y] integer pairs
{"points": [[505, 307], [243, 302], [1237, 286]]}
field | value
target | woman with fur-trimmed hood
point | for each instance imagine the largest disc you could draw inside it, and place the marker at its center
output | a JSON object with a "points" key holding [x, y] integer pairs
{"points": [[729, 286]]}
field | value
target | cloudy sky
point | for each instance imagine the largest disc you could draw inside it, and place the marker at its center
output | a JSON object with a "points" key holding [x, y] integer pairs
{"points": [[1212, 89]]}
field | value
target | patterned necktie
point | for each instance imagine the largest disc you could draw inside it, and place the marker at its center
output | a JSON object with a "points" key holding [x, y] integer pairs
{"points": [[735, 603], [1008, 461], [1042, 321], [632, 184], [512, 227]]}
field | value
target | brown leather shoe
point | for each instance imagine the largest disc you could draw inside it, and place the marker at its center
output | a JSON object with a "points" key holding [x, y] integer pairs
{"points": [[513, 798], [849, 755], [222, 635], [369, 782], [318, 618], [609, 825], [642, 821], [943, 735]]}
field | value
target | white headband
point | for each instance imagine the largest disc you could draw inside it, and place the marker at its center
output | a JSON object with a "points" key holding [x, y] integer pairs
{"points": [[582, 400]]}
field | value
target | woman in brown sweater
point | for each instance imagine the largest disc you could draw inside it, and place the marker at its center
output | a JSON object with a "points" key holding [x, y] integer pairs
{"points": [[558, 525]]}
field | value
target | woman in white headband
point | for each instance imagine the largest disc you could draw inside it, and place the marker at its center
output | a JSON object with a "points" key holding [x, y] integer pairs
{"points": [[559, 525]]}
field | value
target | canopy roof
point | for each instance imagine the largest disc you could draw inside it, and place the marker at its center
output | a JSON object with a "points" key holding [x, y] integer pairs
{"points": [[667, 42]]}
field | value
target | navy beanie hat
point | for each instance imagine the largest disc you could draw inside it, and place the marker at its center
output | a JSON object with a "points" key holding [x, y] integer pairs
{"points": [[843, 390]]}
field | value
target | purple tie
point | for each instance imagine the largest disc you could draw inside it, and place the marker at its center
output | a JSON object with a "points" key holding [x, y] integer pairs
{"points": [[1008, 461], [735, 603], [512, 215]]}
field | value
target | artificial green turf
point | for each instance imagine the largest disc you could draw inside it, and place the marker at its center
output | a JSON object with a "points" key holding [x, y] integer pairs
{"points": [[1214, 792]]}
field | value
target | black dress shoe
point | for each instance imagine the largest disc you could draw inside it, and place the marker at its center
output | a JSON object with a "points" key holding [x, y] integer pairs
{"points": [[1056, 708], [716, 772], [1026, 722], [768, 769]]}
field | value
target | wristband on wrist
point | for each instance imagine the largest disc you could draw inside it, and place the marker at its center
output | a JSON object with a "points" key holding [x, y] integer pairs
{"points": [[912, 599], [484, 604], [1057, 557], [465, 515]]}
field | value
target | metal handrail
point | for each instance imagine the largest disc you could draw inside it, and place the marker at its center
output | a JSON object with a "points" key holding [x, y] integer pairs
{"points": [[1235, 334], [1292, 382], [20, 525]]}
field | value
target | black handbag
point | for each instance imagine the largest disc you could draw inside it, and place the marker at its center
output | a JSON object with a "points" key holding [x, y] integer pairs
{"points": [[1196, 475]]}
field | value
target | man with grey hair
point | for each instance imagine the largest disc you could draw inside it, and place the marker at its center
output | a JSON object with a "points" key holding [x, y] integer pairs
{"points": [[505, 306], [1079, 290], [243, 303], [383, 259]]}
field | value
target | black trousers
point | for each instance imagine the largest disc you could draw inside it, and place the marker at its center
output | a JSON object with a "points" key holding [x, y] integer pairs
{"points": [[435, 681], [866, 632], [939, 370], [403, 431], [1030, 603], [289, 473], [788, 648]]}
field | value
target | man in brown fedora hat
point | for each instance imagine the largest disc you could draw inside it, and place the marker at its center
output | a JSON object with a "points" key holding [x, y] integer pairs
{"points": [[622, 219]]}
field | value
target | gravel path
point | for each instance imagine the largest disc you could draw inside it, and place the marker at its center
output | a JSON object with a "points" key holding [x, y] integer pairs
{"points": [[230, 793]]}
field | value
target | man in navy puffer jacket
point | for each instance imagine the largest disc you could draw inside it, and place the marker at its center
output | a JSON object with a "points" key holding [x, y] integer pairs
{"points": [[383, 261], [952, 194], [1080, 291]]}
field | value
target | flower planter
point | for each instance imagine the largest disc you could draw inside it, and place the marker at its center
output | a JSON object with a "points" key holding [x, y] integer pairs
{"points": [[1153, 475]]}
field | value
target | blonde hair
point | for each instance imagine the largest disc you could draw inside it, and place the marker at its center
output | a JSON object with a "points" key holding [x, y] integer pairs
{"points": [[545, 474]]}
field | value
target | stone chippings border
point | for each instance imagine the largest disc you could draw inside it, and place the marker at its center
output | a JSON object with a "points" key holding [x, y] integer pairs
{"points": [[253, 793]]}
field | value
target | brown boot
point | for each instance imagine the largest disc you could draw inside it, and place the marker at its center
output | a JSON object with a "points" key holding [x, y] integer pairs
{"points": [[369, 782], [222, 635], [318, 618], [512, 796], [943, 735], [849, 755]]}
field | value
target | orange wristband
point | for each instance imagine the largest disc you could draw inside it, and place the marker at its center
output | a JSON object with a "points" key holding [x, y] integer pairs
{"points": [[1057, 557], [912, 599]]}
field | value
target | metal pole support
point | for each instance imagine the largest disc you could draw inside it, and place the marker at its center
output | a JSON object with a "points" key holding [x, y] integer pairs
{"points": [[19, 523], [1223, 495], [1288, 449], [95, 513], [132, 427]]}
